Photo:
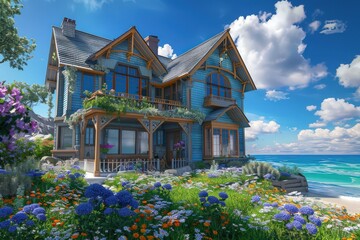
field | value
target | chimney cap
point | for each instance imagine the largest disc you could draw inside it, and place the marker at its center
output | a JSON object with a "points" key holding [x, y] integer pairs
{"points": [[69, 20]]}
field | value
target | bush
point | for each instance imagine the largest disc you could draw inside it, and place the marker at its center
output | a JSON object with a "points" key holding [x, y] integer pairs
{"points": [[292, 170], [43, 147], [260, 169]]}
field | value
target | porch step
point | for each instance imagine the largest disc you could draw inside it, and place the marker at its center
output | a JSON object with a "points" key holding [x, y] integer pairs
{"points": [[90, 179]]}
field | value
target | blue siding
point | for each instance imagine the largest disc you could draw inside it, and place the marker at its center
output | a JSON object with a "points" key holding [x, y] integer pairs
{"points": [[66, 97], [197, 142], [225, 119], [60, 102], [241, 142]]}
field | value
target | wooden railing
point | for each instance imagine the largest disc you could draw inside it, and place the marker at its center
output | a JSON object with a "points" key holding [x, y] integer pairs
{"points": [[116, 165], [179, 163], [218, 101]]}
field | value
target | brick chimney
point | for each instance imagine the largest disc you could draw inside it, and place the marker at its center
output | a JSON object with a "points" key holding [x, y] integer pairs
{"points": [[152, 41], [68, 27]]}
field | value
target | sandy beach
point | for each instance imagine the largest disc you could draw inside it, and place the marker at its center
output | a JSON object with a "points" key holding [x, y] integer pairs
{"points": [[350, 203]]}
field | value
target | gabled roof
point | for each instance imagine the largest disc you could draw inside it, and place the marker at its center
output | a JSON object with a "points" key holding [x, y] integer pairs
{"points": [[75, 50], [186, 62], [233, 111], [140, 44]]}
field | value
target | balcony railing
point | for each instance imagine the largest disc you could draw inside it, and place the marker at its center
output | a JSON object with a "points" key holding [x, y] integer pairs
{"points": [[218, 101]]}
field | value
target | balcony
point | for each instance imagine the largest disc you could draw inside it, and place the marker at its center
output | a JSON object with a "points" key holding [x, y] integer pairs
{"points": [[218, 101]]}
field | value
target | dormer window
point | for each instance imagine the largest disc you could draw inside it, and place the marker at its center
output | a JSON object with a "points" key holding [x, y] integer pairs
{"points": [[218, 85], [127, 79]]}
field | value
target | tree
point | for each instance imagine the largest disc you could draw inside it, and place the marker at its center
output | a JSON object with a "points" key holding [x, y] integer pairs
{"points": [[32, 94], [13, 49]]}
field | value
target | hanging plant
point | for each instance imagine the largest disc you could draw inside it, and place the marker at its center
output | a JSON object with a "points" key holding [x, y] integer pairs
{"points": [[50, 103], [70, 76]]}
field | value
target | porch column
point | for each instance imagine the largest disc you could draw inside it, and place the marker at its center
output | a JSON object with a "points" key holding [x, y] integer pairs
{"points": [[83, 125], [151, 154], [189, 145], [96, 120]]}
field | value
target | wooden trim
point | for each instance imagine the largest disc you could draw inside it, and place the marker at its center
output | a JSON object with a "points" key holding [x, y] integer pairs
{"points": [[84, 69], [63, 151], [224, 125], [224, 70], [128, 53], [97, 145]]}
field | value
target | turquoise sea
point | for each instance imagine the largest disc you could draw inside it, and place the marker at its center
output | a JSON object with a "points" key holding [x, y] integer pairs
{"points": [[333, 175]]}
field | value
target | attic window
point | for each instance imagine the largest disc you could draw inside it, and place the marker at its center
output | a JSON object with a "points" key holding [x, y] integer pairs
{"points": [[127, 79], [218, 85]]}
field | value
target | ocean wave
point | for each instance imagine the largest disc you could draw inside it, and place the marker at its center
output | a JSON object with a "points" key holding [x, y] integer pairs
{"points": [[357, 199]]}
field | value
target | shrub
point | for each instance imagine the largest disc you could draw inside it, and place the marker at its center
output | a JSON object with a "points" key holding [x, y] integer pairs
{"points": [[43, 147], [292, 170], [260, 169]]}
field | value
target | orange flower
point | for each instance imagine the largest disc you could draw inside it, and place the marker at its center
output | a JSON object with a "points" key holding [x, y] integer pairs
{"points": [[134, 227], [75, 236], [56, 220], [150, 237], [148, 211], [137, 220], [165, 225], [215, 232], [136, 235], [83, 234], [137, 210], [144, 202], [177, 223], [143, 230], [143, 225], [142, 238], [206, 224]]}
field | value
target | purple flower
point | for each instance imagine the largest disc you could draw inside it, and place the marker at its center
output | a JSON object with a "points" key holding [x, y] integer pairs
{"points": [[202, 199], [38, 210], [268, 176], [97, 190], [315, 220], [167, 186], [108, 211], [5, 211], [291, 208], [222, 203], [203, 194], [12, 229], [4, 224], [41, 217], [84, 209], [124, 197], [297, 225], [30, 223], [306, 210], [267, 205], [157, 184], [134, 204], [223, 195], [311, 228], [111, 201], [125, 212], [289, 226], [19, 217], [213, 200], [299, 219], [255, 199], [283, 216]]}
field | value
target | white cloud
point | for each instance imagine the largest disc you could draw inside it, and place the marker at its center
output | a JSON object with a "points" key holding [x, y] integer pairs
{"points": [[317, 124], [314, 26], [339, 140], [333, 26], [166, 51], [320, 86], [93, 5], [337, 110], [272, 45], [310, 108], [275, 96], [260, 127], [349, 75]]}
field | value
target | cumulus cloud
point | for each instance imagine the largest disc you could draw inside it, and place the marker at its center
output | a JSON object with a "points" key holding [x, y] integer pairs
{"points": [[340, 140], [260, 127], [310, 108], [317, 124], [320, 86], [337, 110], [349, 75], [166, 51], [275, 96], [314, 26], [272, 46], [93, 5], [333, 26]]}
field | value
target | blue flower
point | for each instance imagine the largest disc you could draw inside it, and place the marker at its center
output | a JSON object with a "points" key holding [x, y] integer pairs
{"points": [[41, 217], [60, 175], [125, 212], [297, 225], [255, 199], [30, 223], [291, 208], [223, 195], [222, 203], [203, 194], [306, 210], [267, 205], [285, 174], [134, 203], [126, 183], [38, 211], [207, 204], [77, 167], [299, 219], [213, 200], [77, 175], [5, 211], [111, 201], [4, 224], [275, 204], [124, 198], [315, 220], [283, 216], [12, 229], [97, 190], [311, 228], [268, 176], [19, 217], [167, 186], [289, 226], [84, 209], [212, 175], [72, 176], [108, 211], [157, 184], [202, 199]]}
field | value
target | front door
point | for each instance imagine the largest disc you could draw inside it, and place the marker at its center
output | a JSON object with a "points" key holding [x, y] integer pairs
{"points": [[172, 137]]}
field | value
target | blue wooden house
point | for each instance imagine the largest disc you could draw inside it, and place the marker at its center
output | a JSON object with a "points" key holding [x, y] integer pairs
{"points": [[194, 103]]}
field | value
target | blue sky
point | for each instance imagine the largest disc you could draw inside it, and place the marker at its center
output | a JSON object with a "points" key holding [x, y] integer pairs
{"points": [[302, 55]]}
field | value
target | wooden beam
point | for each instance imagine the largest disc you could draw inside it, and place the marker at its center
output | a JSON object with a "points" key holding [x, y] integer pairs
{"points": [[149, 63], [151, 152], [83, 125], [108, 53], [224, 70], [234, 69], [84, 69], [96, 120], [105, 121]]}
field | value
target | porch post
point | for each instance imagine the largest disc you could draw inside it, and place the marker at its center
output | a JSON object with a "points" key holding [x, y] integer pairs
{"points": [[151, 154], [97, 146], [83, 126], [189, 146]]}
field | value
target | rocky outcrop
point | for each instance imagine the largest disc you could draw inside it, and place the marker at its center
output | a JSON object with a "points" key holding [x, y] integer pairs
{"points": [[46, 125]]}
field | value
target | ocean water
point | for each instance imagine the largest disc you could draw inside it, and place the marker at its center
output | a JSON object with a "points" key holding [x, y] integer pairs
{"points": [[333, 175]]}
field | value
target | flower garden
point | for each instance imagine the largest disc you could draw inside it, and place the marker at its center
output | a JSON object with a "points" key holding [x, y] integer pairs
{"points": [[222, 204]]}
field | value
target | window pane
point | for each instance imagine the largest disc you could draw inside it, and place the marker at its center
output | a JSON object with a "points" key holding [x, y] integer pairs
{"points": [[87, 83], [143, 142], [65, 138], [208, 89], [225, 142], [167, 93], [214, 90], [158, 92], [228, 92], [121, 69], [128, 142], [233, 147], [144, 87], [112, 137], [216, 142], [134, 86], [222, 92], [120, 83], [133, 72], [89, 136], [221, 80]]}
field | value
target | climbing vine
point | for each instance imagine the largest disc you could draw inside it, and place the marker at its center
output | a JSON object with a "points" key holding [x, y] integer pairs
{"points": [[50, 103], [70, 76]]}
